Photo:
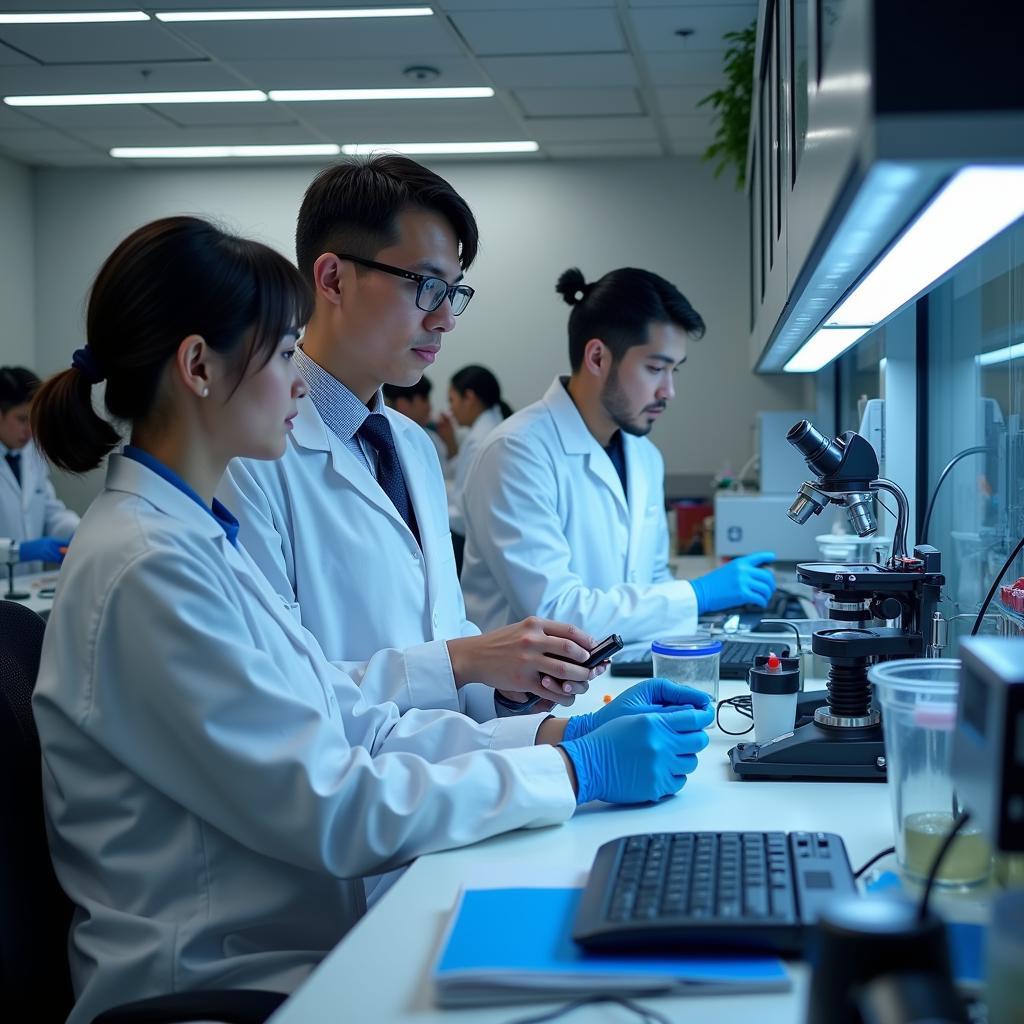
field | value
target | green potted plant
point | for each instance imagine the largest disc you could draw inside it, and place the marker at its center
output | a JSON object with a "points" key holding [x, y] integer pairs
{"points": [[731, 104]]}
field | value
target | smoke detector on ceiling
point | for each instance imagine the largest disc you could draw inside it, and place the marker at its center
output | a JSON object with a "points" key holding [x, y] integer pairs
{"points": [[421, 73]]}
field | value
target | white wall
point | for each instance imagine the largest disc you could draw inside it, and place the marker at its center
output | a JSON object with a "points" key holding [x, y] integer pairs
{"points": [[668, 215], [17, 339]]}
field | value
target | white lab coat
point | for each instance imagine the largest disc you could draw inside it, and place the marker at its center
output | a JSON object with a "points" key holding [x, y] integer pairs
{"points": [[332, 544], [468, 447], [550, 533], [31, 509], [213, 785]]}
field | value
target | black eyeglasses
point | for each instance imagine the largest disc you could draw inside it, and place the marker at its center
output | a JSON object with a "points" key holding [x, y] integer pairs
{"points": [[432, 291]]}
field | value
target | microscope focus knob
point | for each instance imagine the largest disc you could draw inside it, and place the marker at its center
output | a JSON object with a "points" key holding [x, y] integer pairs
{"points": [[887, 608]]}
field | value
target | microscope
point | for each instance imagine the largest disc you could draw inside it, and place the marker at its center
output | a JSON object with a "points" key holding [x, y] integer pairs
{"points": [[882, 611]]}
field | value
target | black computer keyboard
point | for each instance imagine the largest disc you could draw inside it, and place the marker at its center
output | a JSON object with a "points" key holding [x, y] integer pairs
{"points": [[695, 890], [737, 656]]}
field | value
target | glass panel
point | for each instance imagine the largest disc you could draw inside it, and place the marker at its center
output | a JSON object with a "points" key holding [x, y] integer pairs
{"points": [[756, 273], [777, 103], [766, 182], [799, 33], [976, 400], [829, 13]]}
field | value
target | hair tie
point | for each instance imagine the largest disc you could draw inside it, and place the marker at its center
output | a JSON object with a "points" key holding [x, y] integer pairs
{"points": [[85, 362]]}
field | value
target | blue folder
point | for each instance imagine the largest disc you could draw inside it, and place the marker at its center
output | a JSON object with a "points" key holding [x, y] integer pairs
{"points": [[510, 945]]}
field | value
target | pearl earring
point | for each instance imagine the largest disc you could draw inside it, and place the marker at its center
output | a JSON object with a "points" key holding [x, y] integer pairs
{"points": [[206, 392]]}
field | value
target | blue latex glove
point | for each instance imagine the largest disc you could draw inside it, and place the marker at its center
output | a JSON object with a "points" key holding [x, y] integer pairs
{"points": [[652, 696], [737, 582], [637, 758], [43, 549]]}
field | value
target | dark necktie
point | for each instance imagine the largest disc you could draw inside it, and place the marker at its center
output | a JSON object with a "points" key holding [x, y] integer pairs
{"points": [[377, 431], [14, 461]]}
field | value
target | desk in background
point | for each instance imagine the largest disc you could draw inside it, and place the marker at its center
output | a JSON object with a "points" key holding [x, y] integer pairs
{"points": [[380, 972], [39, 586]]}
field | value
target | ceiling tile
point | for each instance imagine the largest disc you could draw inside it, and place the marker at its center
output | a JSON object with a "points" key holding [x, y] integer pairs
{"points": [[418, 38], [655, 28], [226, 113], [360, 122], [201, 135], [96, 44], [586, 129], [158, 77], [520, 5], [13, 118], [693, 67], [28, 139], [697, 127], [581, 150], [77, 158], [566, 70], [76, 118], [541, 31], [687, 147], [11, 58], [376, 73], [566, 102], [682, 100]]}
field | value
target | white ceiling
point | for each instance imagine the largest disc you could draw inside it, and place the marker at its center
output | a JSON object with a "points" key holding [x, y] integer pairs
{"points": [[583, 78]]}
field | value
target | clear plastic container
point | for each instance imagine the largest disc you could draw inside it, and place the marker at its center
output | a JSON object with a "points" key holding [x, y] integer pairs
{"points": [[918, 701], [690, 660]]}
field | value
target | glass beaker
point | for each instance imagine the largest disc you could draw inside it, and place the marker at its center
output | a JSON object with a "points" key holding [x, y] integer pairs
{"points": [[689, 660], [918, 702]]}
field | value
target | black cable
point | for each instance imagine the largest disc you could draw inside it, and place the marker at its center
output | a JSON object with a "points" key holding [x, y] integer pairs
{"points": [[962, 819], [977, 450], [995, 586], [790, 625], [874, 860], [744, 705], [646, 1014]]}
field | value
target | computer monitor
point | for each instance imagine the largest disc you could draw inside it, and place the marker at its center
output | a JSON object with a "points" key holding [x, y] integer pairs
{"points": [[988, 746]]}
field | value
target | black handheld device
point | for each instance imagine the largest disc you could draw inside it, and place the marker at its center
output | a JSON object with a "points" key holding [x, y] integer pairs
{"points": [[604, 650]]}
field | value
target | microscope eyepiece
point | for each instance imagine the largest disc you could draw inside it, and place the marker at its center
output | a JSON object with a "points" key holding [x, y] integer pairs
{"points": [[822, 454]]}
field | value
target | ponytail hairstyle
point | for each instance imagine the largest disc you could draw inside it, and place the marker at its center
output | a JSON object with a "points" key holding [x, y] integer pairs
{"points": [[484, 385], [17, 386], [167, 280], [619, 307]]}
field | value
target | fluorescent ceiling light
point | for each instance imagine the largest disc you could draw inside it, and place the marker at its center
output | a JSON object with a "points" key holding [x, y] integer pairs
{"points": [[72, 18], [428, 148], [296, 15], [1001, 355], [312, 95], [973, 207], [219, 152], [826, 344], [103, 99]]}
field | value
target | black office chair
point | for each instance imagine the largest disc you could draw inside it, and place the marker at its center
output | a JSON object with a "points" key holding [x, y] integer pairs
{"points": [[34, 911]]}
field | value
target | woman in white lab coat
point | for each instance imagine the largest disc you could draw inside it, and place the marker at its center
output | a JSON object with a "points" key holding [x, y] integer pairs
{"points": [[474, 397], [35, 525], [214, 787]]}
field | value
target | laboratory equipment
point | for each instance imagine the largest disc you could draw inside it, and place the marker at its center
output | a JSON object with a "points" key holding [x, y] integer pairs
{"points": [[918, 697], [690, 661], [774, 683], [880, 611], [13, 557], [699, 890]]}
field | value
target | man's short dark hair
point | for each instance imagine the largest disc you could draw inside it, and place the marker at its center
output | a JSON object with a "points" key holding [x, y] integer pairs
{"points": [[421, 389], [17, 386], [619, 307], [352, 207]]}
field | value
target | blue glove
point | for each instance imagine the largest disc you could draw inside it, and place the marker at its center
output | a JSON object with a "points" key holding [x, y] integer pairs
{"points": [[43, 549], [653, 696], [737, 582], [636, 758]]}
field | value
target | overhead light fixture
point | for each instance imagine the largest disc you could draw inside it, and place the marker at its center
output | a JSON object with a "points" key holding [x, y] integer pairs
{"points": [[973, 207], [73, 17], [103, 99], [220, 152], [1001, 355], [330, 95], [296, 15], [438, 148], [826, 344]]}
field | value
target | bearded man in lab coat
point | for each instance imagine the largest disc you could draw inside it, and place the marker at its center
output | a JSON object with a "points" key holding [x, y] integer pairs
{"points": [[565, 504], [351, 525]]}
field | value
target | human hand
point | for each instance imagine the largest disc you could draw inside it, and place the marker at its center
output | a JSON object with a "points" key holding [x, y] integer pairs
{"points": [[445, 428], [524, 658], [636, 758], [652, 696], [44, 549], [740, 581]]}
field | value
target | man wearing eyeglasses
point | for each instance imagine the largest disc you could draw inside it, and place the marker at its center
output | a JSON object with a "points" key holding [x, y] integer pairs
{"points": [[351, 525]]}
